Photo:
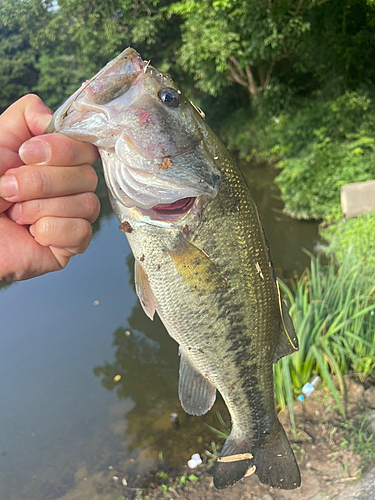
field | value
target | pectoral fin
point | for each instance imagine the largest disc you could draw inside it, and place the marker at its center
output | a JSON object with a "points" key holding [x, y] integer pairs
{"points": [[288, 342], [144, 292], [197, 269], [196, 393]]}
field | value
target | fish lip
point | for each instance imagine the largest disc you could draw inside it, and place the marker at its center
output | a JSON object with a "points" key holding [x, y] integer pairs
{"points": [[129, 54]]}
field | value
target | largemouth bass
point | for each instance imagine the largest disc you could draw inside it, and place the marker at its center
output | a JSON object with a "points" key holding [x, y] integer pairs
{"points": [[201, 255]]}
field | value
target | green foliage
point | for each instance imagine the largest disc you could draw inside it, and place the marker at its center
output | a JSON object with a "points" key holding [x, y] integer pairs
{"points": [[360, 439], [18, 73], [99, 31], [354, 237], [335, 326], [238, 41], [321, 146], [223, 431], [59, 76], [341, 151]]}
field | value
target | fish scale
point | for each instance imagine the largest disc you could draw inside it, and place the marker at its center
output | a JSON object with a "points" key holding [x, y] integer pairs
{"points": [[201, 256]]}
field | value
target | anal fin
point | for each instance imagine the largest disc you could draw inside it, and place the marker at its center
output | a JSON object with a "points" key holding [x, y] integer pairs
{"points": [[196, 393], [144, 292]]}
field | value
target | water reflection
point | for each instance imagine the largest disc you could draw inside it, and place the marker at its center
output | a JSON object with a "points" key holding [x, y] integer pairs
{"points": [[286, 236]]}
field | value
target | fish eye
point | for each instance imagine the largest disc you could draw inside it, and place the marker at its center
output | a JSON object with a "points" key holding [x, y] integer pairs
{"points": [[169, 97]]}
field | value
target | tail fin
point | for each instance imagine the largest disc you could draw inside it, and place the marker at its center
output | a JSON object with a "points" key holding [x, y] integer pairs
{"points": [[227, 473], [273, 459]]}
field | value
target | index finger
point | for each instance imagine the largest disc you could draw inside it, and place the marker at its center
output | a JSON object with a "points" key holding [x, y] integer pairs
{"points": [[25, 118], [57, 150]]}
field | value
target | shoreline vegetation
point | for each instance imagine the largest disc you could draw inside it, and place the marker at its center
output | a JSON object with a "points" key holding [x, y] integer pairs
{"points": [[288, 82]]}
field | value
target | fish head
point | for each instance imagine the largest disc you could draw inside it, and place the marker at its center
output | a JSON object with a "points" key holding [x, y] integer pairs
{"points": [[159, 156]]}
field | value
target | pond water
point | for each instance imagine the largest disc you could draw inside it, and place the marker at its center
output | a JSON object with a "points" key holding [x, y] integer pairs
{"points": [[87, 381]]}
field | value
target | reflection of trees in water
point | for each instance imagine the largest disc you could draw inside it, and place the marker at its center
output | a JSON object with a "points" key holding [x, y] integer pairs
{"points": [[147, 361], [4, 284]]}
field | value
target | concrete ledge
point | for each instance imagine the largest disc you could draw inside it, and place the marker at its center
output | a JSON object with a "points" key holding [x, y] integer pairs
{"points": [[357, 197], [364, 490]]}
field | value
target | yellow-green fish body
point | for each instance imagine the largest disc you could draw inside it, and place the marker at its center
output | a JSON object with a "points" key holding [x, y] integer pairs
{"points": [[201, 256]]}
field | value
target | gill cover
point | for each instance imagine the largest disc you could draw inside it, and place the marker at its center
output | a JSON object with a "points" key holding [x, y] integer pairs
{"points": [[152, 152]]}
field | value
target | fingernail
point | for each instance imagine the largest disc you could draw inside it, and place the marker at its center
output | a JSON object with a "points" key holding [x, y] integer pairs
{"points": [[32, 230], [16, 211], [35, 151], [8, 186]]}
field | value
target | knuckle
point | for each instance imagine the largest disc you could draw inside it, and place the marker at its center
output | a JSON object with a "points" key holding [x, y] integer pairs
{"points": [[92, 204], [37, 181], [32, 210], [83, 232], [84, 229], [44, 230], [71, 152], [91, 176], [31, 98]]}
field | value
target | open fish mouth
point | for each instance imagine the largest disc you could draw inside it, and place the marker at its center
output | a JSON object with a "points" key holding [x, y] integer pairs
{"points": [[176, 212], [179, 207]]}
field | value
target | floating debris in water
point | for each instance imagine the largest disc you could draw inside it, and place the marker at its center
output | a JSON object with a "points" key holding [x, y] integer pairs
{"points": [[124, 482], [174, 420], [194, 461], [116, 378], [96, 302], [127, 333]]}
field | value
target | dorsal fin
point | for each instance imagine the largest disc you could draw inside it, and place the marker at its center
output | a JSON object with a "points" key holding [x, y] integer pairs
{"points": [[143, 289], [288, 342], [196, 393]]}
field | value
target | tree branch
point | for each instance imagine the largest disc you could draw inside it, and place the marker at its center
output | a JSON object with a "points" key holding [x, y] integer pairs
{"points": [[269, 73], [236, 72], [252, 86]]}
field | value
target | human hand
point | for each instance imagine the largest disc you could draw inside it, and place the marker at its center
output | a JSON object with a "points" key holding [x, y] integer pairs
{"points": [[47, 200]]}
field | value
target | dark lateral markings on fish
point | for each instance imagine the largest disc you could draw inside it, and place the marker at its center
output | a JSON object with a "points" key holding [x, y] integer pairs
{"points": [[202, 260]]}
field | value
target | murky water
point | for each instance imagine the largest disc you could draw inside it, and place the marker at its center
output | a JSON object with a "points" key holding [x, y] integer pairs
{"points": [[87, 381]]}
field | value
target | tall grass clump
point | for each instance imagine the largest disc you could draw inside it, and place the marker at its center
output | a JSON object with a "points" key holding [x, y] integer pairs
{"points": [[335, 323]]}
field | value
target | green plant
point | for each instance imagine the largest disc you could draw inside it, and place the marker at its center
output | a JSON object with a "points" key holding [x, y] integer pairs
{"points": [[335, 327], [358, 436], [354, 237], [331, 143], [223, 431], [215, 448]]}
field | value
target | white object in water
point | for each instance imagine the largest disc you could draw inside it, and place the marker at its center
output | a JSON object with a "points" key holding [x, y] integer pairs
{"points": [[194, 461]]}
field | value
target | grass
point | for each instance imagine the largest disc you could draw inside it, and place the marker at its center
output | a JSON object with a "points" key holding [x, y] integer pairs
{"points": [[335, 324]]}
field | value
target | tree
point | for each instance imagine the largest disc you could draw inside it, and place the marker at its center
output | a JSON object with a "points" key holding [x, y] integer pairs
{"points": [[99, 30], [302, 43], [18, 73], [238, 41]]}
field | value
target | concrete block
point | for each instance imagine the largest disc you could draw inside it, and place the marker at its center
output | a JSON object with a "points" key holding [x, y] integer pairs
{"points": [[357, 197]]}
